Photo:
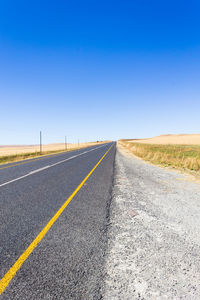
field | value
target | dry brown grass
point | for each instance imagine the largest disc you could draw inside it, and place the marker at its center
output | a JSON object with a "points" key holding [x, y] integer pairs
{"points": [[178, 156], [21, 149], [17, 153]]}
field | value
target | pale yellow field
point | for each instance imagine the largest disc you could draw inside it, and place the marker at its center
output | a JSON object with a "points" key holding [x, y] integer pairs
{"points": [[12, 150], [176, 139]]}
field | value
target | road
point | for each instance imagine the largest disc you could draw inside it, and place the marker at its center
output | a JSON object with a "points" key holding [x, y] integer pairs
{"points": [[52, 247]]}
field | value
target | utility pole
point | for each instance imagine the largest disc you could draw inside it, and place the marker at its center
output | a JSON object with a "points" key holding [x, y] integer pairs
{"points": [[78, 144], [65, 143], [40, 142]]}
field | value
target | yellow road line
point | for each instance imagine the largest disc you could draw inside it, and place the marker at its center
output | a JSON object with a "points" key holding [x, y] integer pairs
{"points": [[4, 282]]}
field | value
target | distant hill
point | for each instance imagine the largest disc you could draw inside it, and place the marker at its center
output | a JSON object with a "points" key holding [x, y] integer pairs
{"points": [[179, 139]]}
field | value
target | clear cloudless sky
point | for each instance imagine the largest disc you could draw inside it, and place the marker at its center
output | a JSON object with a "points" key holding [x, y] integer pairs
{"points": [[98, 69]]}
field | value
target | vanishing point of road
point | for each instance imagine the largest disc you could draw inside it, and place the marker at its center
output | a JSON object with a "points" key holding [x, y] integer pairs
{"points": [[53, 220]]}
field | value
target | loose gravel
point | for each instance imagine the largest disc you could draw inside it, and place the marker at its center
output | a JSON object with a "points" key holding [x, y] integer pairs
{"points": [[154, 233]]}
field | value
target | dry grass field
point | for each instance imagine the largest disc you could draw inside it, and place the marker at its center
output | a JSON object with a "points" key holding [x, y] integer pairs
{"points": [[16, 153], [178, 151]]}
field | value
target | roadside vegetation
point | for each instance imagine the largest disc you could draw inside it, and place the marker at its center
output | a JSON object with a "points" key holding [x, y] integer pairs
{"points": [[17, 157], [9, 158], [177, 156]]}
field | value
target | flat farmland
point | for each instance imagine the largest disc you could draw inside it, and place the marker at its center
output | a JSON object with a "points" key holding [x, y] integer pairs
{"points": [[13, 153]]}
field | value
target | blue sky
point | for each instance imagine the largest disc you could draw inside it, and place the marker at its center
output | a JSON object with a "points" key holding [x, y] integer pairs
{"points": [[98, 70]]}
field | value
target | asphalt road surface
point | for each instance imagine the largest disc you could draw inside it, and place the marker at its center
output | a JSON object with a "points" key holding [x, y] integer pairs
{"points": [[67, 262]]}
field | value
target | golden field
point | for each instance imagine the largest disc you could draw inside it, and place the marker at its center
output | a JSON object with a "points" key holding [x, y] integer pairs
{"points": [[12, 150], [16, 153]]}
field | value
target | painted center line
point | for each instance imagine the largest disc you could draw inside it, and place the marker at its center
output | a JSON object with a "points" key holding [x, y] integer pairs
{"points": [[39, 170], [49, 166]]}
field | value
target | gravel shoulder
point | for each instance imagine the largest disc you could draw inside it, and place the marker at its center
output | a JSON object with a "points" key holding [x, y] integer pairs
{"points": [[154, 233]]}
